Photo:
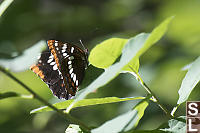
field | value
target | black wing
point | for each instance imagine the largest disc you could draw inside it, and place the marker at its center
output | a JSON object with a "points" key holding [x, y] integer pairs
{"points": [[71, 61], [47, 70]]}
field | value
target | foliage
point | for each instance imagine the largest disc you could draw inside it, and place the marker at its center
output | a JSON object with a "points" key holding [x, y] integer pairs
{"points": [[190, 81], [127, 51], [86, 102]]}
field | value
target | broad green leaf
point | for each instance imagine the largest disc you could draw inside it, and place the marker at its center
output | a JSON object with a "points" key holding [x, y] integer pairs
{"points": [[26, 58], [107, 52], [72, 128], [134, 48], [13, 94], [4, 5], [85, 102], [125, 121], [111, 71], [190, 81], [176, 125], [155, 35]]}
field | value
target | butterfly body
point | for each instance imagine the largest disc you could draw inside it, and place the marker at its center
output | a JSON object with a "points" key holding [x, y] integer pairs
{"points": [[62, 68]]}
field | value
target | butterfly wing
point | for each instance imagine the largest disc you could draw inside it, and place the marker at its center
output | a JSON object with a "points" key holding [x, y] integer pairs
{"points": [[73, 68], [62, 68], [47, 70], [59, 51], [71, 61]]}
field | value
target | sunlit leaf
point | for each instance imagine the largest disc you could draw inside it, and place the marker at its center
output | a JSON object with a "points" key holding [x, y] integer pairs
{"points": [[24, 61], [190, 81], [86, 102], [134, 48], [4, 5], [125, 121], [155, 35], [106, 53], [113, 70]]}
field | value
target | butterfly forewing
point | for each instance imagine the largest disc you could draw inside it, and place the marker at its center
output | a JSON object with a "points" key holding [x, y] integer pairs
{"points": [[73, 68]]}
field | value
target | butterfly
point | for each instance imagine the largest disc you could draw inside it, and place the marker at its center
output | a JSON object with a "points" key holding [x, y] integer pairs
{"points": [[62, 67]]}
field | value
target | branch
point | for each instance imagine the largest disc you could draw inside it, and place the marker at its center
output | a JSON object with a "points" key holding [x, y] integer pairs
{"points": [[66, 116], [154, 98]]}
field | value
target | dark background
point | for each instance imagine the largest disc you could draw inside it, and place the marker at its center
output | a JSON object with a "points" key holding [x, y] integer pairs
{"points": [[26, 22]]}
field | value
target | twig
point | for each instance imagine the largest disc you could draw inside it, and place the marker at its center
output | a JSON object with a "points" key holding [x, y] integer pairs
{"points": [[155, 99], [66, 116]]}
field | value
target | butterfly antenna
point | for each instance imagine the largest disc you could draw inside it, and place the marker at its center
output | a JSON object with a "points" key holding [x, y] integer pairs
{"points": [[82, 44]]}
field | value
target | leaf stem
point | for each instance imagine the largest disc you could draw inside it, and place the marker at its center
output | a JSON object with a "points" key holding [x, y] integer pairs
{"points": [[154, 98], [66, 116]]}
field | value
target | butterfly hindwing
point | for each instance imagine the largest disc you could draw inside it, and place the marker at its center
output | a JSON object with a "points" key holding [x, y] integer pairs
{"points": [[46, 69], [62, 68]]}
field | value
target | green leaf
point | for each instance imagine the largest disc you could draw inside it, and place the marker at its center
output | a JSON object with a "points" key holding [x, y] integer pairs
{"points": [[112, 71], [107, 52], [125, 121], [176, 125], [85, 102], [72, 128], [155, 35], [26, 58], [4, 5], [190, 81], [134, 48], [13, 94]]}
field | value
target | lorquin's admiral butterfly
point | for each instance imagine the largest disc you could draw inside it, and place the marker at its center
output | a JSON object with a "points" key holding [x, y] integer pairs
{"points": [[62, 68]]}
